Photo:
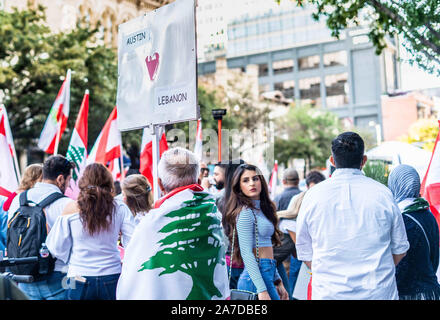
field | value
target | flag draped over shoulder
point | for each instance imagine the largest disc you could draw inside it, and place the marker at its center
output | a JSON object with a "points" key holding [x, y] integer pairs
{"points": [[146, 159], [177, 251], [430, 188], [8, 177], [107, 146], [57, 120]]}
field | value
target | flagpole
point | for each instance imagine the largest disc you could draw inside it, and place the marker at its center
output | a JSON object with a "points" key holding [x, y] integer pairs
{"points": [[156, 156], [17, 168], [122, 166], [57, 140], [14, 154]]}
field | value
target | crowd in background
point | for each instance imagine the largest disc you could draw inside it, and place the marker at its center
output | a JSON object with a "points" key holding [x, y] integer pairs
{"points": [[353, 237]]}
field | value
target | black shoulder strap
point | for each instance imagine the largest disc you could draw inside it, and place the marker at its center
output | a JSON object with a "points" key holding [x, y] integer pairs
{"points": [[23, 198], [51, 198]]}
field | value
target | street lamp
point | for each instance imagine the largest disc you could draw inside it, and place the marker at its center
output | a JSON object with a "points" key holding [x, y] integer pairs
{"points": [[218, 115], [378, 130]]}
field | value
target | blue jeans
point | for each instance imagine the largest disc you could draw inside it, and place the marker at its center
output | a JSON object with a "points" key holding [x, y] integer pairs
{"points": [[283, 275], [295, 265], [268, 269], [48, 288], [94, 288]]}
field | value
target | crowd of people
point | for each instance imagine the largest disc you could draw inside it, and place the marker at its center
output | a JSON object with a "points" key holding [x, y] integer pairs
{"points": [[208, 235]]}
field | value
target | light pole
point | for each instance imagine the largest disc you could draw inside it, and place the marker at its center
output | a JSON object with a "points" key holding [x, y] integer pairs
{"points": [[218, 115]]}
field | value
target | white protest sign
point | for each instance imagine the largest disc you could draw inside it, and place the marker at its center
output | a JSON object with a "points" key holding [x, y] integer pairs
{"points": [[157, 79]]}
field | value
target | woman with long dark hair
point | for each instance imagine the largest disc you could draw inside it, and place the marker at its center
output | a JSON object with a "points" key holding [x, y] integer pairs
{"points": [[249, 210], [85, 236]]}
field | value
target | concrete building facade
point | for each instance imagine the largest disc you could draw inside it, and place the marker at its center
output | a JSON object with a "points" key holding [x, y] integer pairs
{"points": [[298, 56], [63, 14], [401, 111]]}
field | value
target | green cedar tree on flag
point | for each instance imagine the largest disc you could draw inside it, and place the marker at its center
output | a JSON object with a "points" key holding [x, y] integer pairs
{"points": [[177, 251], [77, 150]]}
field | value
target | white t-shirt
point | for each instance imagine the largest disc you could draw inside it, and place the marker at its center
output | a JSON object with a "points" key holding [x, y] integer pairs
{"points": [[287, 225], [37, 194], [88, 255], [349, 226], [292, 201]]}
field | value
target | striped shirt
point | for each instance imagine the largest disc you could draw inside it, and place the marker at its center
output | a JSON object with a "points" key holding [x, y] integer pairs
{"points": [[246, 240]]}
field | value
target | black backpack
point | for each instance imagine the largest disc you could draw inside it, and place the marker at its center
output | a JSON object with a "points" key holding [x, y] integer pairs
{"points": [[27, 231]]}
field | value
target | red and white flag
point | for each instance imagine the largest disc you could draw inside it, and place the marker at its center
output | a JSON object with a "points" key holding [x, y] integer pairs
{"points": [[57, 120], [430, 188], [115, 169], [108, 145], [77, 150], [146, 160], [273, 180], [199, 140], [8, 176]]}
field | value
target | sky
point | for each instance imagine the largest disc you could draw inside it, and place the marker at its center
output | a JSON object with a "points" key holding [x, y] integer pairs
{"points": [[413, 78]]}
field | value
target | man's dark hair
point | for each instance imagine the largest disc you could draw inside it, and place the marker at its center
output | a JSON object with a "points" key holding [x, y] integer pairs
{"points": [[56, 165], [348, 150], [230, 168], [314, 177], [118, 189]]}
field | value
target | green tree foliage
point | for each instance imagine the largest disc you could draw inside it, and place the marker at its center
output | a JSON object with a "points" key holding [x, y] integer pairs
{"points": [[33, 63], [416, 21], [306, 133], [243, 110], [377, 170], [423, 132]]}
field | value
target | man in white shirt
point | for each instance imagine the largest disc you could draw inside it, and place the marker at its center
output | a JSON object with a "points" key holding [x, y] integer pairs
{"points": [[57, 171], [350, 231]]}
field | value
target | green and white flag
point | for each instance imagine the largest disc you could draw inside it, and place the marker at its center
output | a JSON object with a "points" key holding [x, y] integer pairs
{"points": [[177, 251], [77, 150]]}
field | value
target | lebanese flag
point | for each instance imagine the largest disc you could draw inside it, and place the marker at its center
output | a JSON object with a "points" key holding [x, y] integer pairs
{"points": [[108, 145], [115, 169], [57, 120], [430, 188], [77, 150], [273, 180], [8, 177], [172, 247], [146, 160], [9, 139], [199, 140]]}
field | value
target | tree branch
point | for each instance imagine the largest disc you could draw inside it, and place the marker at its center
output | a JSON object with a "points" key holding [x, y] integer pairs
{"points": [[399, 21]]}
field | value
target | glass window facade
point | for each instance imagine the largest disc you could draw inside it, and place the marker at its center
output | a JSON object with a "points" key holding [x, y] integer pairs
{"points": [[287, 88], [336, 90], [338, 58], [283, 66], [310, 91], [307, 63], [263, 70]]}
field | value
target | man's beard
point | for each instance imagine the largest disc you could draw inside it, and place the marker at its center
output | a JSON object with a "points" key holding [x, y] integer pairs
{"points": [[219, 185]]}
